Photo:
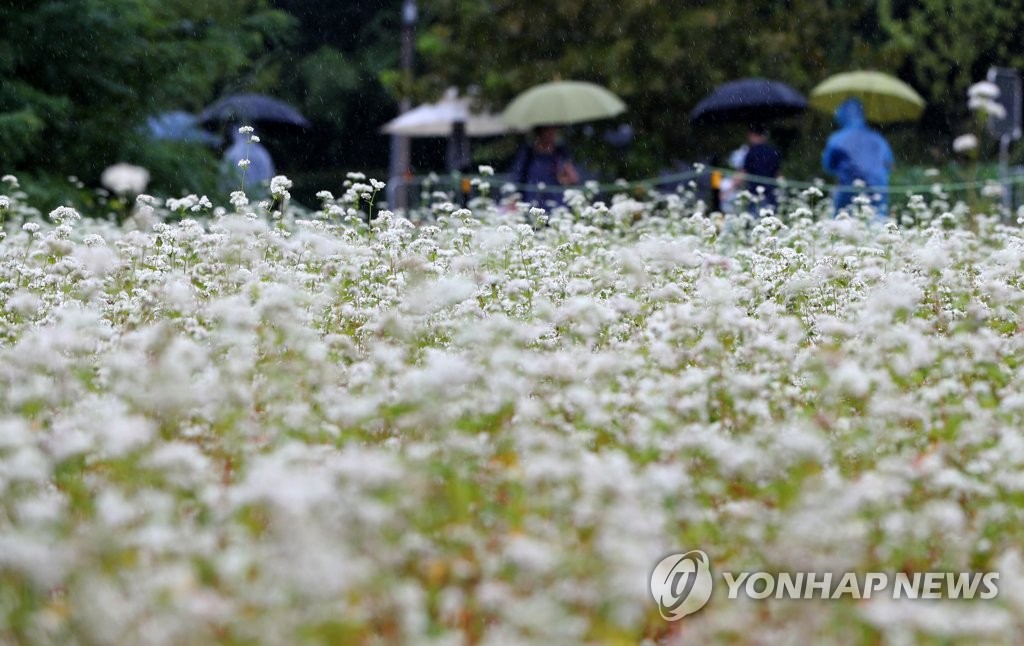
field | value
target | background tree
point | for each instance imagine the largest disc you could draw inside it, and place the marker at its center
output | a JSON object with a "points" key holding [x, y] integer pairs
{"points": [[949, 44], [663, 57], [332, 73], [81, 76]]}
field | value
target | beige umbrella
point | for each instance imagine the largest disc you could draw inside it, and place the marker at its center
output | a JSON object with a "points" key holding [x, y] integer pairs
{"points": [[561, 103], [439, 119]]}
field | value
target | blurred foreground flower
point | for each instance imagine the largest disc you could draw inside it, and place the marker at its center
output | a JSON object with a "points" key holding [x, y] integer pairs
{"points": [[125, 179], [965, 143], [983, 97], [983, 90], [988, 106]]}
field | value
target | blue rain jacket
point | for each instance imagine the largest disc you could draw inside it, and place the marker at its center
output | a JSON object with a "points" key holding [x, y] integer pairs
{"points": [[261, 165], [855, 152]]}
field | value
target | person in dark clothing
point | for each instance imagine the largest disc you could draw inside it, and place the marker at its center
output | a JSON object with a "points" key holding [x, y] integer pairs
{"points": [[544, 162], [762, 160]]}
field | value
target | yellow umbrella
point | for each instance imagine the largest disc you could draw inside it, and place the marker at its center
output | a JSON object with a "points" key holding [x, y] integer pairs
{"points": [[886, 99]]}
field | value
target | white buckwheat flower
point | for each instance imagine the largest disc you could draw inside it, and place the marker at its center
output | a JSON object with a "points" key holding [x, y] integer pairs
{"points": [[125, 179], [279, 186], [64, 215], [965, 143], [983, 90]]}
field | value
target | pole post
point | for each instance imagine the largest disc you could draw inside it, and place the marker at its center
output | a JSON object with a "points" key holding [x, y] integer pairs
{"points": [[398, 191], [1008, 127], [1004, 170]]}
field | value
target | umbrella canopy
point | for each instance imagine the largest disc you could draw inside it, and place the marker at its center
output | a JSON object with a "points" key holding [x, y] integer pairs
{"points": [[247, 108], [438, 119], [562, 102], [750, 100], [178, 125], [885, 98]]}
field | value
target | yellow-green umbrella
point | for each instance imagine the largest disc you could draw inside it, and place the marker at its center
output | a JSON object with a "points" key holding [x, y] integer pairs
{"points": [[885, 98], [561, 102]]}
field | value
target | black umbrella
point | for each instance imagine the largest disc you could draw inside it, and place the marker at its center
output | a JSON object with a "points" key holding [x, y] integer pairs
{"points": [[247, 108], [750, 100]]}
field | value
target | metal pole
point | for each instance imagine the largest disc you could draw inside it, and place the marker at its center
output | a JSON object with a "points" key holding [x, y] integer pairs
{"points": [[398, 196], [1004, 170]]}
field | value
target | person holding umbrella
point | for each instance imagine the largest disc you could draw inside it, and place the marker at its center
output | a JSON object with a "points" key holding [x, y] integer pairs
{"points": [[543, 108], [753, 101], [245, 159], [762, 160], [856, 152], [545, 161], [265, 111]]}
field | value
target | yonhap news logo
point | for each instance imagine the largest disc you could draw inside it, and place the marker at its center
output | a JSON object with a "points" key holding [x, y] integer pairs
{"points": [[681, 584]]}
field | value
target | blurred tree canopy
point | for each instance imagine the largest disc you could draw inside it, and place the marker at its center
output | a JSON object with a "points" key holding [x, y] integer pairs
{"points": [[81, 76], [332, 73], [663, 57]]}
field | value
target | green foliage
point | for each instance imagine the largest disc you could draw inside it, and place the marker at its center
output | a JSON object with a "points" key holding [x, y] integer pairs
{"points": [[331, 72], [81, 76], [952, 43], [662, 58], [659, 57]]}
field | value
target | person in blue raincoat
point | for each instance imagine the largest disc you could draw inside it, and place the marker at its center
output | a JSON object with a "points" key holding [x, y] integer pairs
{"points": [[856, 152], [261, 165]]}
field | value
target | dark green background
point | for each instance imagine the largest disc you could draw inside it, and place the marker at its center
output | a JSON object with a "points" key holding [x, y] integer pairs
{"points": [[81, 76]]}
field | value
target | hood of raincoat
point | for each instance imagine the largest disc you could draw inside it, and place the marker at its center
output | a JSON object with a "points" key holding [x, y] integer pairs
{"points": [[850, 114], [261, 165], [856, 152]]}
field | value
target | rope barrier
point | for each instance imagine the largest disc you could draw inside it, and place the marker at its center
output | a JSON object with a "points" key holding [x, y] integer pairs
{"points": [[676, 178], [899, 188], [606, 187]]}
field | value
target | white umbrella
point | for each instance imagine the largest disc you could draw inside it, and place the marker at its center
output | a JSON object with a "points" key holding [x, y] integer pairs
{"points": [[438, 120]]}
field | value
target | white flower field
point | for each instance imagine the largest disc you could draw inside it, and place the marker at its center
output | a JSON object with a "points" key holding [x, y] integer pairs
{"points": [[487, 426]]}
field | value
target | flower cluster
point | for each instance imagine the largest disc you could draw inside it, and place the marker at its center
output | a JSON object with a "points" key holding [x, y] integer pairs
{"points": [[965, 143], [983, 97], [488, 426], [125, 179]]}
